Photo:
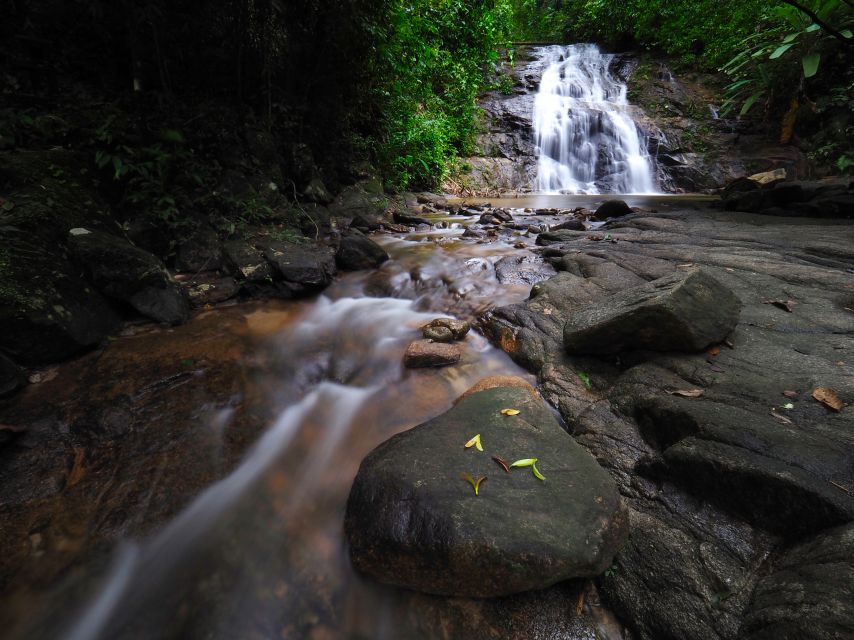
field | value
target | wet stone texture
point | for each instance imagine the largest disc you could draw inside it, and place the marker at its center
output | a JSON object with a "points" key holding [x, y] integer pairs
{"points": [[735, 477], [412, 521]]}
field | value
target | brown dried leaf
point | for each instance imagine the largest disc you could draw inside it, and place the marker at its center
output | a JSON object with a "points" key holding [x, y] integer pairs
{"points": [[475, 483], [828, 398], [687, 393], [716, 368], [502, 462], [785, 305], [714, 350], [790, 394], [781, 418]]}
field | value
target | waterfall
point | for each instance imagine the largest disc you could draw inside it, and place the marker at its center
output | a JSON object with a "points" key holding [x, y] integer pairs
{"points": [[586, 138]]}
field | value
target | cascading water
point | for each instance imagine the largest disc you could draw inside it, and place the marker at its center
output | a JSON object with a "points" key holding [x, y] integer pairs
{"points": [[586, 138]]}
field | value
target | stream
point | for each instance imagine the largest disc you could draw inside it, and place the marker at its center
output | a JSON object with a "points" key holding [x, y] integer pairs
{"points": [[259, 553]]}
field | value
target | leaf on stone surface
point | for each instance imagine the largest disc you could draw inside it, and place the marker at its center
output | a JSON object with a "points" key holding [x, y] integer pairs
{"points": [[790, 394], [537, 473], [781, 418], [474, 442], [685, 265], [829, 398], [12, 427], [716, 368], [475, 483], [788, 405], [687, 393], [714, 350], [502, 463], [585, 379], [525, 462], [510, 412], [785, 305]]}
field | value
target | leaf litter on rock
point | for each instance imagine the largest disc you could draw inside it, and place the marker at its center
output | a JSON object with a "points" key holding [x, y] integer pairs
{"points": [[502, 463], [790, 394], [475, 483], [474, 442], [529, 462], [510, 412], [781, 418], [785, 305], [829, 398], [585, 379], [687, 393]]}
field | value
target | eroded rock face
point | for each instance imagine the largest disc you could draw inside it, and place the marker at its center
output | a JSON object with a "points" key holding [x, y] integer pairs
{"points": [[124, 272], [612, 209], [412, 522], [809, 594], [722, 485], [679, 312]]}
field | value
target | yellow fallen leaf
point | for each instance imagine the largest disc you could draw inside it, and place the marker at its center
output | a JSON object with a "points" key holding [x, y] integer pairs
{"points": [[828, 398], [510, 412], [474, 442]]}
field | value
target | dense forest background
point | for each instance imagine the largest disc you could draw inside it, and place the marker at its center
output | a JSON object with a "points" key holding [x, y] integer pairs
{"points": [[169, 101]]}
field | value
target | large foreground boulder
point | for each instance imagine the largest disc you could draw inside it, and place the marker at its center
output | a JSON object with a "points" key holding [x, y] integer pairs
{"points": [[413, 522], [679, 312], [124, 272]]}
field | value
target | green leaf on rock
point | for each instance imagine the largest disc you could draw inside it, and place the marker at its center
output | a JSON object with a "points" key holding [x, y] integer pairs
{"points": [[475, 483], [585, 379], [474, 442], [525, 462], [537, 473]]}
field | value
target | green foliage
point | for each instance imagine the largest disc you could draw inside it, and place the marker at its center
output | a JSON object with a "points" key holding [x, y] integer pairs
{"points": [[435, 61]]}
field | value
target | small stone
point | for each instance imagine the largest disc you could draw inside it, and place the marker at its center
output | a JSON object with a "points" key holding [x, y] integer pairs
{"points": [[424, 353], [438, 334], [458, 328]]}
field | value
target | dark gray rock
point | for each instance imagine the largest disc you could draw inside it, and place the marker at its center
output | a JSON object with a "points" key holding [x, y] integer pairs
{"points": [[303, 269], [208, 289], [681, 312], [524, 269], [809, 593], [422, 354], [573, 224], [200, 251], [245, 262], [12, 376], [412, 522], [612, 209], [130, 274], [408, 219], [356, 251]]}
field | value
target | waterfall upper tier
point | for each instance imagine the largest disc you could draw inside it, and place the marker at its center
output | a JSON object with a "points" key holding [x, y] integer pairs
{"points": [[586, 138]]}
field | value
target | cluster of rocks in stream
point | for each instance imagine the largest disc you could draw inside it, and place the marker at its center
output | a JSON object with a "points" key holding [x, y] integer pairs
{"points": [[683, 355], [739, 484]]}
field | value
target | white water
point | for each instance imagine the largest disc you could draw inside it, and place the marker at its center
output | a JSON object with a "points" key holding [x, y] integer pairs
{"points": [[586, 138]]}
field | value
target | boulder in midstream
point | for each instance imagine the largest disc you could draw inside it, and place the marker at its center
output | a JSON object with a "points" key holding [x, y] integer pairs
{"points": [[413, 522]]}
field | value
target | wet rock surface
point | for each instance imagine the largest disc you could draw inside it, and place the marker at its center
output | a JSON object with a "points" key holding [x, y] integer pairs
{"points": [[412, 522], [679, 312], [427, 353], [300, 269], [809, 592], [724, 458]]}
